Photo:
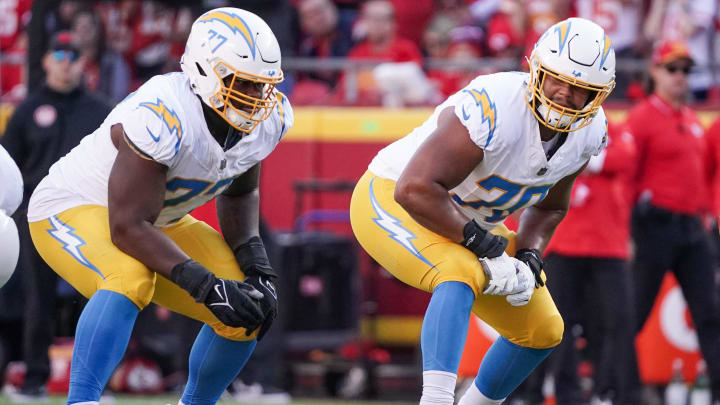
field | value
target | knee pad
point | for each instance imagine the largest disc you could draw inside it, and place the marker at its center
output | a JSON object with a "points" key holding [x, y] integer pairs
{"points": [[548, 333], [145, 291], [237, 334], [138, 287], [10, 245]]}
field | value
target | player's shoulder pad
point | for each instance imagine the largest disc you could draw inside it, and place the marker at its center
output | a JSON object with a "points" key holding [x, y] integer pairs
{"points": [[153, 124], [481, 106], [596, 134], [282, 116]]}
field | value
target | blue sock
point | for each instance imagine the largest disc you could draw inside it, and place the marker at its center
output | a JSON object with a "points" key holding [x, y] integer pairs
{"points": [[445, 326], [505, 366], [214, 364], [101, 338]]}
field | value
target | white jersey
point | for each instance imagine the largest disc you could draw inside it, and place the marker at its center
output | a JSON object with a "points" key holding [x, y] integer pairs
{"points": [[11, 193], [515, 172], [163, 121]]}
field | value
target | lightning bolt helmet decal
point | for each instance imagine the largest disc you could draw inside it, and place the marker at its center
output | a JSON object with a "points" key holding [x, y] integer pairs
{"points": [[236, 24]]}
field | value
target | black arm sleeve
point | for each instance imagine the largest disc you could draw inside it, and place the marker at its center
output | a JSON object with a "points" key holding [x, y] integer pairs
{"points": [[247, 182]]}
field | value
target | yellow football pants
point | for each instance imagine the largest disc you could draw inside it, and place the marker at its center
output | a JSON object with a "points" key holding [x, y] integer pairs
{"points": [[76, 244], [424, 259]]}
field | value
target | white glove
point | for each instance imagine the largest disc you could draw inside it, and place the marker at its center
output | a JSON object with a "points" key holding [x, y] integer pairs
{"points": [[525, 286], [501, 274]]}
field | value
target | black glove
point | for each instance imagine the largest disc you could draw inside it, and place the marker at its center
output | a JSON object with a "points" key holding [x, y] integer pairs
{"points": [[234, 303], [482, 242], [253, 261], [268, 304], [533, 258]]}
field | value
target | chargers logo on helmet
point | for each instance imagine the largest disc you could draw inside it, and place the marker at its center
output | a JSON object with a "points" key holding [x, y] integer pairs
{"points": [[215, 60], [578, 52], [606, 51], [235, 23], [562, 29]]}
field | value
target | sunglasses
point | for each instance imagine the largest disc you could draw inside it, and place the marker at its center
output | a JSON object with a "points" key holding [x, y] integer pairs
{"points": [[62, 54], [673, 69]]}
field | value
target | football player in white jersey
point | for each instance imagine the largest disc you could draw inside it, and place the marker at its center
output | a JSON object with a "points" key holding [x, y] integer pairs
{"points": [[11, 195], [430, 207], [112, 218]]}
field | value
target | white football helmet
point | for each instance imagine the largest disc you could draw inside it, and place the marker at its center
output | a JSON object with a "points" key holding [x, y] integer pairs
{"points": [[9, 247], [578, 52], [227, 45]]}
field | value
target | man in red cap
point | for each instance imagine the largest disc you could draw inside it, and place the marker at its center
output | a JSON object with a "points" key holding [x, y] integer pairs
{"points": [[672, 195]]}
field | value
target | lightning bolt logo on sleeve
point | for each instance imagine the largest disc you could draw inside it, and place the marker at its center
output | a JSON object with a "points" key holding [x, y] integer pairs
{"points": [[281, 112], [236, 24], [392, 225], [168, 117], [63, 233], [487, 108]]}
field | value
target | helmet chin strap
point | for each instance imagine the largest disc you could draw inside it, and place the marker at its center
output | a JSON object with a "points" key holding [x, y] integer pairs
{"points": [[553, 118], [237, 119], [232, 116]]}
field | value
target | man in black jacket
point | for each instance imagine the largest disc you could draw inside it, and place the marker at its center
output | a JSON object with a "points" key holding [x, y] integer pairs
{"points": [[47, 125]]}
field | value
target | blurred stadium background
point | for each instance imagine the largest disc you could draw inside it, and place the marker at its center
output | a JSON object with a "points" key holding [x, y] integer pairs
{"points": [[358, 77], [164, 400]]}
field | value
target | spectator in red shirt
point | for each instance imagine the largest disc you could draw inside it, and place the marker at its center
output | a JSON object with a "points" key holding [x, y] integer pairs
{"points": [[14, 17], [672, 186], [327, 34], [506, 30], [148, 34], [436, 38], [13, 75], [377, 21], [106, 72], [381, 43], [713, 141], [13, 49], [449, 15], [588, 272], [465, 46], [412, 16]]}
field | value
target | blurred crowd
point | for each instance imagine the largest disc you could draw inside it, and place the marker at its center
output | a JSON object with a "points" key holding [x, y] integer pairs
{"points": [[353, 52], [648, 187]]}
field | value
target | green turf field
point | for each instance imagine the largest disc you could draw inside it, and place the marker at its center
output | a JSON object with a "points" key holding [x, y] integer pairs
{"points": [[163, 400]]}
